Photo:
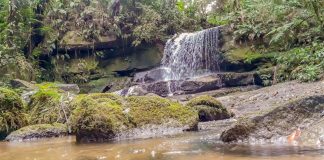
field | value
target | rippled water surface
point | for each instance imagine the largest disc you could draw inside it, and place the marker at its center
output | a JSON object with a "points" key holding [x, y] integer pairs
{"points": [[190, 146]]}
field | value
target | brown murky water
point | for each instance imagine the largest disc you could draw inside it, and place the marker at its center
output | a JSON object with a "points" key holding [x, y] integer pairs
{"points": [[190, 146]]}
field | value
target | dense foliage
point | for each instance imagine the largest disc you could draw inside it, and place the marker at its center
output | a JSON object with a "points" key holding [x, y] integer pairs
{"points": [[291, 28]]}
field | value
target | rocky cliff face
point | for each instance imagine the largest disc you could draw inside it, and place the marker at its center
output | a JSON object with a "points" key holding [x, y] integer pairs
{"points": [[72, 41]]}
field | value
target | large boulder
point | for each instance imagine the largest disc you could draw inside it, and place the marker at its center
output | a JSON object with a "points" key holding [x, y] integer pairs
{"points": [[11, 112], [163, 88], [264, 99], [150, 76], [278, 122], [209, 108], [261, 105], [195, 85], [104, 117], [98, 117], [38, 131]]}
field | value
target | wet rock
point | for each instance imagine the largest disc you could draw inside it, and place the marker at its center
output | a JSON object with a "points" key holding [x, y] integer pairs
{"points": [[209, 109], [38, 131], [149, 131], [149, 76], [162, 88], [237, 79], [198, 84], [105, 117], [279, 121], [201, 84], [113, 84], [217, 93], [130, 72], [216, 126], [136, 91], [216, 81]]}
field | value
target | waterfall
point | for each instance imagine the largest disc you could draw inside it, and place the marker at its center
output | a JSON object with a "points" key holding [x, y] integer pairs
{"points": [[191, 54]]}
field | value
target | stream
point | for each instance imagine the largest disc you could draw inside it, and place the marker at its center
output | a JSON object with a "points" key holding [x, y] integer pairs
{"points": [[187, 146]]}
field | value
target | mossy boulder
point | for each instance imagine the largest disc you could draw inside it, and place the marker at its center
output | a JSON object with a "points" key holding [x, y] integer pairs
{"points": [[157, 110], [38, 131], [47, 105], [98, 117], [209, 108], [104, 117], [11, 112]]}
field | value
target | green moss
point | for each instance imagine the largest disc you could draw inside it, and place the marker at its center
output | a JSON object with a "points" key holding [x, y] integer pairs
{"points": [[103, 116], [246, 55], [45, 106], [11, 112], [209, 108], [38, 131], [9, 99], [41, 128], [106, 98], [158, 110], [99, 114], [206, 101], [48, 90]]}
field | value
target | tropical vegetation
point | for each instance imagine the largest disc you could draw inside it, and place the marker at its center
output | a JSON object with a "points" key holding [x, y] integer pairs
{"points": [[292, 30]]}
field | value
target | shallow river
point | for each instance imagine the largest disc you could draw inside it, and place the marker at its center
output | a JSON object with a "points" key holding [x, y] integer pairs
{"points": [[189, 146]]}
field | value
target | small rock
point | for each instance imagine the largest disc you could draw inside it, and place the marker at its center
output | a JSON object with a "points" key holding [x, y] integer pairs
{"points": [[38, 131]]}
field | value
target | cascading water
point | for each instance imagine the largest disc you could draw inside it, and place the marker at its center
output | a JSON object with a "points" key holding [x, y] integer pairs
{"points": [[191, 54]]}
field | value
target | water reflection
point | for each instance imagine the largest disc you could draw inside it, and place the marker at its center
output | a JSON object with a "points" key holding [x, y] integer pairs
{"points": [[191, 146]]}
